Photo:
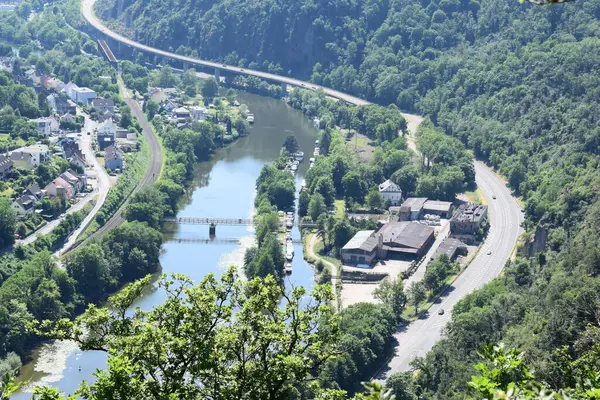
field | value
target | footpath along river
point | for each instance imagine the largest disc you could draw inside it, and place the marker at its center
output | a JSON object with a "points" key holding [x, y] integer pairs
{"points": [[222, 187]]}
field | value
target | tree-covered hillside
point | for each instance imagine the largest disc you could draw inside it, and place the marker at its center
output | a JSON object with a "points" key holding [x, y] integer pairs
{"points": [[518, 84]]}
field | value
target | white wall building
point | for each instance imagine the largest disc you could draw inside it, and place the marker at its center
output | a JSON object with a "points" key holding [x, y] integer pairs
{"points": [[390, 191]]}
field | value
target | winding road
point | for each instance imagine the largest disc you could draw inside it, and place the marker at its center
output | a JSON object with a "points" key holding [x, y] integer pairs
{"points": [[505, 214]]}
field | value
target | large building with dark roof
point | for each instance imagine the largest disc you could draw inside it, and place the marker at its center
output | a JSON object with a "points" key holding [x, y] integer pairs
{"points": [[394, 240], [406, 240]]}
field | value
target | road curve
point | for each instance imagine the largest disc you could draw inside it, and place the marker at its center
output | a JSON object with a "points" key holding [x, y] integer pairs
{"points": [[87, 11], [505, 228], [505, 214]]}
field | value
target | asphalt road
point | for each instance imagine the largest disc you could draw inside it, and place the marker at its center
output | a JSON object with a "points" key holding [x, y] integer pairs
{"points": [[101, 189], [103, 182], [151, 174], [505, 214], [505, 228]]}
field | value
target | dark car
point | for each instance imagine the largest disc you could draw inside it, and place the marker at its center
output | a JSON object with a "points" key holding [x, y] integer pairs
{"points": [[441, 311]]}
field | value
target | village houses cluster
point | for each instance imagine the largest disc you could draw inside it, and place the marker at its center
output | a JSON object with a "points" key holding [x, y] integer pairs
{"points": [[68, 186]]}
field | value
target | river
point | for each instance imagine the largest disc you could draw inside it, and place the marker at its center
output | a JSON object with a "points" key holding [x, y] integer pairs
{"points": [[222, 187]]}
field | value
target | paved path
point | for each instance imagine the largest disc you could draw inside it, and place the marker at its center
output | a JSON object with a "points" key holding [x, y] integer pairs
{"points": [[335, 272]]}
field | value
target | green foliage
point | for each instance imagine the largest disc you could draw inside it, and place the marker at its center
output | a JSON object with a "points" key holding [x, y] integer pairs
{"points": [[210, 88], [262, 350], [277, 187], [8, 223], [366, 334], [391, 293]]}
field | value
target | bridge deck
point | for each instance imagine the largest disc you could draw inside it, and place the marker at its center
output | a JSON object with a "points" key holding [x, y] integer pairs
{"points": [[107, 51], [223, 221]]}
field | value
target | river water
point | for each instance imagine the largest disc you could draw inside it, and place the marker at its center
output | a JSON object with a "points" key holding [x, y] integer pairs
{"points": [[222, 187]]}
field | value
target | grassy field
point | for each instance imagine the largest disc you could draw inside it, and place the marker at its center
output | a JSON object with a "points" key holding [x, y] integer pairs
{"points": [[475, 197], [340, 209]]}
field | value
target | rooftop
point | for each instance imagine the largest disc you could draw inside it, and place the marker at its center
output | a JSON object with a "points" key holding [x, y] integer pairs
{"points": [[436, 205], [470, 213], [362, 240], [449, 247], [389, 186], [415, 203], [406, 234]]}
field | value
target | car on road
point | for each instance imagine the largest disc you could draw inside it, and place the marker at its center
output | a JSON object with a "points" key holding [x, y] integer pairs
{"points": [[489, 253], [441, 311], [62, 215], [224, 65], [79, 134], [89, 133], [494, 196]]}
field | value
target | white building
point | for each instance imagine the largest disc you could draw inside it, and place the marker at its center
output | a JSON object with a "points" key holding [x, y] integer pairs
{"points": [[47, 125], [82, 94], [108, 127], [30, 156], [199, 113], [390, 191]]}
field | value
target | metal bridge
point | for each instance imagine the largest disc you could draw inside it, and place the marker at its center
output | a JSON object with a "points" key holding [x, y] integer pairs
{"points": [[226, 221], [215, 240], [107, 52]]}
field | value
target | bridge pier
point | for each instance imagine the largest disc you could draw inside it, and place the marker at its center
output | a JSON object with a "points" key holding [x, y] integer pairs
{"points": [[186, 66], [217, 74], [212, 230], [283, 89]]}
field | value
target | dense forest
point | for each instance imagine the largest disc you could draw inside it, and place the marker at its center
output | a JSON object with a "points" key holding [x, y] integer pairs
{"points": [[517, 84]]}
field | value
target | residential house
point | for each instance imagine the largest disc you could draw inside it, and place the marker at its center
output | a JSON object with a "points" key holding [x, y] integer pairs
{"points": [[182, 114], [105, 108], [24, 205], [199, 113], [113, 158], [61, 104], [6, 165], [47, 125], [75, 180], [22, 160], [31, 156], [60, 188], [34, 190], [52, 83], [106, 134], [77, 161], [67, 119], [390, 192], [99, 104], [70, 148]]}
